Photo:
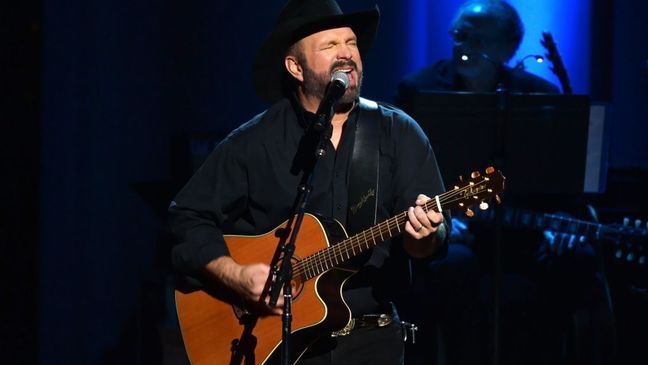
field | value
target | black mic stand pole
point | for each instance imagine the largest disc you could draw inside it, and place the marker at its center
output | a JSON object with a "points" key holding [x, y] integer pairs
{"points": [[501, 121], [283, 276], [498, 157]]}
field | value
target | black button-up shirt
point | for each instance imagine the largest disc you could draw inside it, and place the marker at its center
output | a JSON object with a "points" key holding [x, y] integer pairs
{"points": [[248, 185]]}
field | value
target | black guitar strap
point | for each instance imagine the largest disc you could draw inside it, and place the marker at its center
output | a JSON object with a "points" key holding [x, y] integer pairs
{"points": [[364, 169]]}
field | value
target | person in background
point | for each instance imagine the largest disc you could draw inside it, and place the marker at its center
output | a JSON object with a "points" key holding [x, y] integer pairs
{"points": [[485, 34], [546, 278]]}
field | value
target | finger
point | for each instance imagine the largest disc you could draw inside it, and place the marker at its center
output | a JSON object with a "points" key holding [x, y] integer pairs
{"points": [[422, 218], [413, 226], [435, 218], [422, 199], [413, 232]]}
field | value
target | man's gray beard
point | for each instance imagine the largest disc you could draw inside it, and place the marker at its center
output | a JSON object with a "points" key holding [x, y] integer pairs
{"points": [[315, 85]]}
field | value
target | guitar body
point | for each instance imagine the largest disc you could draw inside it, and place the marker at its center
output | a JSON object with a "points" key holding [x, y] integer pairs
{"points": [[217, 329]]}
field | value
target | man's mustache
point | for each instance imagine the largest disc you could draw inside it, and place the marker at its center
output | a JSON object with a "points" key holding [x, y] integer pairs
{"points": [[344, 63]]}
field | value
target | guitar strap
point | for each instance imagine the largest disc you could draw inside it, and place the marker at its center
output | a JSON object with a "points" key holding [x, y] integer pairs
{"points": [[364, 169]]}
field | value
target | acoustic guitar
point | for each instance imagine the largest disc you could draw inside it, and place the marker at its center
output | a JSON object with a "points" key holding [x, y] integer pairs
{"points": [[218, 327]]}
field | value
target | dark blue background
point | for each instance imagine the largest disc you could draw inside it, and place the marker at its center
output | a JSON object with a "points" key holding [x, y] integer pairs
{"points": [[125, 85]]}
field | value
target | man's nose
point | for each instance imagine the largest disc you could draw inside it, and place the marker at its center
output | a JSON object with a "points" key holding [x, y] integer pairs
{"points": [[344, 52]]}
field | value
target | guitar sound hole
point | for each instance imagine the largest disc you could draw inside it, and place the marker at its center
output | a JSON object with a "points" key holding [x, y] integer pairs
{"points": [[297, 287]]}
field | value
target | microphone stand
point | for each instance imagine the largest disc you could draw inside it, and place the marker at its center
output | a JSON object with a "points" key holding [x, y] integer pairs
{"points": [[283, 276], [501, 120], [500, 127]]}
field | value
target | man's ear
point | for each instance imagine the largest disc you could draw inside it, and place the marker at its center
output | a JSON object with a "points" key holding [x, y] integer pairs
{"points": [[294, 68]]}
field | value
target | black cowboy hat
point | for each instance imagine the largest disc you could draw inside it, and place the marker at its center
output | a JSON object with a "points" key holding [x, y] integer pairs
{"points": [[299, 19]]}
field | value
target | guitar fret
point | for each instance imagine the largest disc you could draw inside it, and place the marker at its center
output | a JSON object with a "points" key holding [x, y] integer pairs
{"points": [[598, 231], [340, 251], [315, 261], [324, 261], [310, 271], [364, 235], [575, 226], [379, 228], [304, 264]]}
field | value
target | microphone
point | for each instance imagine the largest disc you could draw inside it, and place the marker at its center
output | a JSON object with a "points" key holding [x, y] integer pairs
{"points": [[520, 64], [499, 66], [465, 57], [336, 88]]}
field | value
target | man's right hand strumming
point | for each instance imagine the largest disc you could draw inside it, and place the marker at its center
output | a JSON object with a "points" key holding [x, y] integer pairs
{"points": [[247, 280]]}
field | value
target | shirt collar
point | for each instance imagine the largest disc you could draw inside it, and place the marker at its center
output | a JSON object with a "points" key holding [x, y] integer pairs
{"points": [[306, 118]]}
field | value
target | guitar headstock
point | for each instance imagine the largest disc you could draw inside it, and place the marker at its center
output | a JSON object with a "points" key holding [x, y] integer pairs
{"points": [[556, 61], [550, 45], [630, 240], [476, 190]]}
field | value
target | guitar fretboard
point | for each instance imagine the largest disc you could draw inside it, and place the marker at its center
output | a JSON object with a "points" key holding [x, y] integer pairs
{"points": [[543, 221], [341, 252]]}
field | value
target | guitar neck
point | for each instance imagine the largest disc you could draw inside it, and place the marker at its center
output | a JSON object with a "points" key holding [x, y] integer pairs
{"points": [[353, 246], [544, 221], [333, 256]]}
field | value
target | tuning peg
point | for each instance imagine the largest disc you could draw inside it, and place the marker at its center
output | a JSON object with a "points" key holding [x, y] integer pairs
{"points": [[456, 187], [618, 254], [460, 178], [483, 205], [642, 260], [470, 213], [475, 174], [637, 223], [626, 221], [630, 257], [498, 199], [490, 169]]}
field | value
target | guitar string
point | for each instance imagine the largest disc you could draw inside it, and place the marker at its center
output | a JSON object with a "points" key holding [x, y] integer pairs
{"points": [[319, 261]]}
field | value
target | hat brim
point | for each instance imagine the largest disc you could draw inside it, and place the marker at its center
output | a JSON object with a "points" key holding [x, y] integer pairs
{"points": [[268, 66]]}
